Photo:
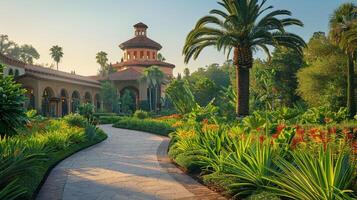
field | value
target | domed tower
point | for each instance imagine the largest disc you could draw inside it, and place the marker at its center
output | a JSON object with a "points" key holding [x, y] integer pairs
{"points": [[141, 52]]}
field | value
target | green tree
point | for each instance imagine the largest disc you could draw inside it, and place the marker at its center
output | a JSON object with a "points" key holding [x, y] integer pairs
{"points": [[25, 53], [56, 53], [28, 53], [322, 81], [186, 72], [110, 97], [241, 27], [341, 23], [127, 102], [102, 60], [160, 57], [12, 99], [205, 90], [154, 78]]}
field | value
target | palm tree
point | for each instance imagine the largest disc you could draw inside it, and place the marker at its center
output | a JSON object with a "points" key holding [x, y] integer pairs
{"points": [[102, 60], [341, 33], [154, 78], [56, 53], [240, 26]]}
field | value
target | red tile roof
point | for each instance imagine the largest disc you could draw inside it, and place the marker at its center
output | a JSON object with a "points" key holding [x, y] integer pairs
{"points": [[46, 71], [143, 63], [128, 74], [140, 41]]}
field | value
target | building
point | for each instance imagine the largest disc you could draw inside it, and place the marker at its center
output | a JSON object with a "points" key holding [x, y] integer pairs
{"points": [[55, 93], [139, 53]]}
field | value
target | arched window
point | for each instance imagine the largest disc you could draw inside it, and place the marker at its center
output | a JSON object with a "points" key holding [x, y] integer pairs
{"points": [[75, 101], [134, 55], [87, 97], [17, 72], [48, 106], [11, 72], [141, 54], [64, 102]]}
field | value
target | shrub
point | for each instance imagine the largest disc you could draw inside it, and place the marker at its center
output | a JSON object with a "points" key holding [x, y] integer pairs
{"points": [[75, 120], [87, 111], [140, 114], [147, 125], [108, 119], [90, 132], [12, 99]]}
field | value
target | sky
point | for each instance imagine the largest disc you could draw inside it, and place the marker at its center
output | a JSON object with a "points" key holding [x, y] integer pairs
{"points": [[85, 27]]}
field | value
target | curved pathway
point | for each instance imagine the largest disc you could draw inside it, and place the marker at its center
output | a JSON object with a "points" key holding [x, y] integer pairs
{"points": [[128, 165]]}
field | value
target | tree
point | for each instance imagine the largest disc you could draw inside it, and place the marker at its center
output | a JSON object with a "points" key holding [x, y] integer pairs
{"points": [[161, 58], [241, 27], [204, 90], [102, 60], [110, 97], [127, 101], [154, 78], [12, 99], [322, 81], [341, 23], [186, 72], [56, 53], [26, 53]]}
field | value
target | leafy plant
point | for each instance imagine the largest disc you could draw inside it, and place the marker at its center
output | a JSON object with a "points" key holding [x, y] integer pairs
{"points": [[327, 175], [140, 114], [87, 111], [12, 99]]}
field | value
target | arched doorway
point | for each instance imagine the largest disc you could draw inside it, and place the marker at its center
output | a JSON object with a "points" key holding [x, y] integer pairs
{"points": [[49, 103], [76, 99], [87, 98], [30, 99], [64, 102], [129, 99], [97, 102]]}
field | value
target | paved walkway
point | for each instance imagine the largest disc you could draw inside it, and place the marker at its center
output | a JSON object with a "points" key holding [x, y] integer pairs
{"points": [[128, 165]]}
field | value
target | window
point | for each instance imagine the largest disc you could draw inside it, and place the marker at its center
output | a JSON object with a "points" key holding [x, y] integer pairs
{"points": [[11, 72], [134, 54], [148, 55], [141, 54], [17, 73], [154, 55]]}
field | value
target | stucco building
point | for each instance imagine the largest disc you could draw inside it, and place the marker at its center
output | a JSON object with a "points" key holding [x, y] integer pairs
{"points": [[55, 93]]}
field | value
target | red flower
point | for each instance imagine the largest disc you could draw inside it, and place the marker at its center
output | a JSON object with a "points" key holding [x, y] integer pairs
{"points": [[280, 128], [350, 136], [296, 141], [300, 131], [205, 121], [346, 131], [333, 130], [275, 136], [261, 139]]}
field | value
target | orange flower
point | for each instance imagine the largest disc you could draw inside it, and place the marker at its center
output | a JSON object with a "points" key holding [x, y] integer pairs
{"points": [[275, 136], [296, 141], [280, 128], [333, 130], [300, 131], [261, 139], [205, 121], [327, 120]]}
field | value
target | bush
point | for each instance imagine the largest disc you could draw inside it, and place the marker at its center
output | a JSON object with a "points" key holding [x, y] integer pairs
{"points": [[87, 111], [75, 120], [26, 158], [140, 114], [144, 105], [90, 132], [108, 119], [146, 125], [12, 99]]}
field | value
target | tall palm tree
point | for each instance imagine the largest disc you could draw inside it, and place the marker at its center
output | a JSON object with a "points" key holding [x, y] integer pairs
{"points": [[341, 33], [56, 53], [102, 60], [154, 78], [242, 28]]}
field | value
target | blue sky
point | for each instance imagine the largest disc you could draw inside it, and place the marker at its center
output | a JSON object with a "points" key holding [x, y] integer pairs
{"points": [[84, 27]]}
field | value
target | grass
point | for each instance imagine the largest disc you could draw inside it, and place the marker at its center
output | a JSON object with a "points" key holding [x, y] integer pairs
{"points": [[55, 158]]}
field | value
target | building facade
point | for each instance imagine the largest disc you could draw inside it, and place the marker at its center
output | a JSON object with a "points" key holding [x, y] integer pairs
{"points": [[55, 93], [52, 93]]}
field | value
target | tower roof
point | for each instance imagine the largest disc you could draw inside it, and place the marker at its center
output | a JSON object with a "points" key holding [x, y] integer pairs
{"points": [[140, 40], [140, 25]]}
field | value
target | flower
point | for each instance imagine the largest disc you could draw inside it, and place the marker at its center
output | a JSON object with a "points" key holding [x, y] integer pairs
{"points": [[280, 128], [333, 130], [275, 136], [327, 120], [205, 121], [261, 139]]}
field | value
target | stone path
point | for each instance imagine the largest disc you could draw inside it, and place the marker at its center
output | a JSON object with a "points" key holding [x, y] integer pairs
{"points": [[128, 165]]}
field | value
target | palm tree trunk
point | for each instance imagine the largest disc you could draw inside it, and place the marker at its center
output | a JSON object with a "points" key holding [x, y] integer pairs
{"points": [[150, 105], [351, 103], [243, 59], [242, 107], [57, 65]]}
